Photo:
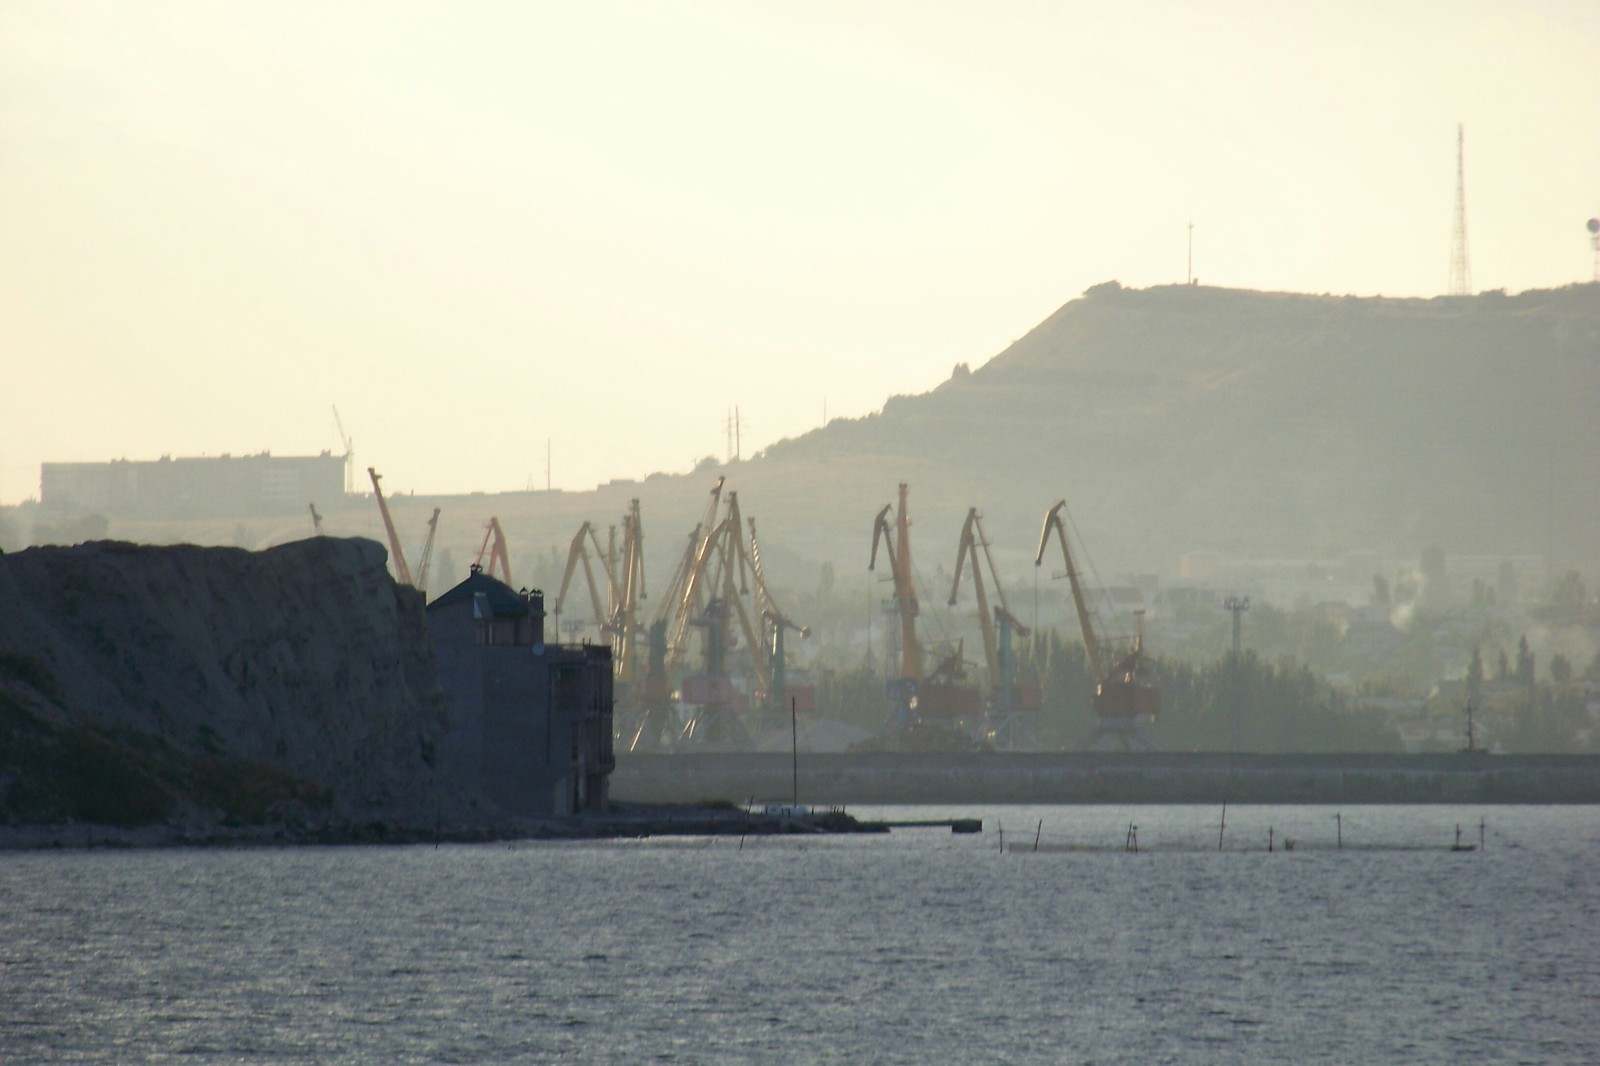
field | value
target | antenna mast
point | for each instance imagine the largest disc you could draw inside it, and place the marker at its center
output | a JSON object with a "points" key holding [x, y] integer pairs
{"points": [[1460, 274], [1188, 277]]}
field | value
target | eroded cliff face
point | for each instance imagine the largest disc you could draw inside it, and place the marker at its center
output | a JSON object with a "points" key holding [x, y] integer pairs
{"points": [[304, 668]]}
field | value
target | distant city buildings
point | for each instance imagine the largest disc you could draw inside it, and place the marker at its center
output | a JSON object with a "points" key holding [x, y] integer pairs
{"points": [[220, 487]]}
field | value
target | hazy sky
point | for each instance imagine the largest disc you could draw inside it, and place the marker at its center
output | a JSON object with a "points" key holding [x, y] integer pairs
{"points": [[474, 227]]}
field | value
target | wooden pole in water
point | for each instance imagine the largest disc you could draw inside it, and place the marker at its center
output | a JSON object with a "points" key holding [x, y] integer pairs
{"points": [[794, 752], [1338, 823], [1223, 827], [1037, 833]]}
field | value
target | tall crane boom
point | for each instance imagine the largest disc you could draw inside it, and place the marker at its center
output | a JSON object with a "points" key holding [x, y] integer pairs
{"points": [[1119, 698], [974, 544], [402, 572], [349, 454], [578, 554], [427, 552], [686, 596], [494, 545], [897, 545], [630, 590], [1091, 637]]}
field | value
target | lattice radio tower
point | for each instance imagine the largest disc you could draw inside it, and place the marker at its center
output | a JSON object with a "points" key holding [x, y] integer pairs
{"points": [[1460, 273]]}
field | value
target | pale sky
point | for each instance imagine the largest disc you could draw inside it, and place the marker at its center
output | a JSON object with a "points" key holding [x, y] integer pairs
{"points": [[474, 227]]}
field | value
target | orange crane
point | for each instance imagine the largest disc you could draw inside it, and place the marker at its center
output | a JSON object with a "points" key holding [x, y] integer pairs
{"points": [[622, 620], [667, 634], [897, 547], [499, 560], [685, 598], [927, 707], [973, 542], [716, 587], [1119, 698], [1007, 727], [771, 663], [402, 572], [578, 554], [719, 589], [427, 553]]}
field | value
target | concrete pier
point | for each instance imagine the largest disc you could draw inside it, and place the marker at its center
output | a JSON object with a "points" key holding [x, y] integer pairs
{"points": [[1077, 777]]}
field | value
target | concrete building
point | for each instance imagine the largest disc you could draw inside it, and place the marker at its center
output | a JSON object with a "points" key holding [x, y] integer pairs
{"points": [[225, 486], [532, 719]]}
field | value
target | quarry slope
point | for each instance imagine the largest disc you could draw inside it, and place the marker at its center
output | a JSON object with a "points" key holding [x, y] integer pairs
{"points": [[144, 684]]}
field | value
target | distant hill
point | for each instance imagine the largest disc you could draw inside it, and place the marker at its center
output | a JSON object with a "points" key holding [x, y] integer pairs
{"points": [[1173, 419], [1254, 424]]}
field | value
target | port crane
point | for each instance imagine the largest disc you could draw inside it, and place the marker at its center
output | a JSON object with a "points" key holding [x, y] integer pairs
{"points": [[628, 582], [494, 546], [718, 584], [771, 660], [926, 707], [402, 572], [1006, 727], [685, 596], [1120, 700], [896, 543], [427, 553], [349, 454], [667, 635], [578, 555], [719, 590], [617, 620]]}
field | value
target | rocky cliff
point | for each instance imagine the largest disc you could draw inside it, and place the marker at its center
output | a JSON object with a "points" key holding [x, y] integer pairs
{"points": [[215, 685]]}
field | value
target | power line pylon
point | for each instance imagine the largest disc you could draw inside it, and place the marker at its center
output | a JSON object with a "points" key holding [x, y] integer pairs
{"points": [[1460, 273]]}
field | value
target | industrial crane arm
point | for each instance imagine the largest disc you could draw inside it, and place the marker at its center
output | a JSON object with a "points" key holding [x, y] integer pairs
{"points": [[973, 542], [494, 545], [401, 570], [880, 532], [576, 554], [427, 552], [1091, 638], [898, 545]]}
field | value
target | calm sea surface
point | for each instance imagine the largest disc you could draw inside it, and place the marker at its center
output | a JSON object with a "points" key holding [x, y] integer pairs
{"points": [[917, 947]]}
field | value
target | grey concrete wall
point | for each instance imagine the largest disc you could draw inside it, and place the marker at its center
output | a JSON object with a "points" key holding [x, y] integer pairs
{"points": [[1112, 778]]}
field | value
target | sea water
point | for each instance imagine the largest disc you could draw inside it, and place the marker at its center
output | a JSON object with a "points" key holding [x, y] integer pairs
{"points": [[1066, 945]]}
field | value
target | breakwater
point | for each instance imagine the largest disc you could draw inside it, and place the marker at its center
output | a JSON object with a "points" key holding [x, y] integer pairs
{"points": [[1080, 777]]}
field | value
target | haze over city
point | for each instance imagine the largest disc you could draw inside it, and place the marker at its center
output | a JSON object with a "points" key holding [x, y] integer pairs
{"points": [[480, 229]]}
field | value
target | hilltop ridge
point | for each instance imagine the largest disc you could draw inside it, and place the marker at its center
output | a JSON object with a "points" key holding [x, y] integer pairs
{"points": [[1173, 419], [1182, 417]]}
